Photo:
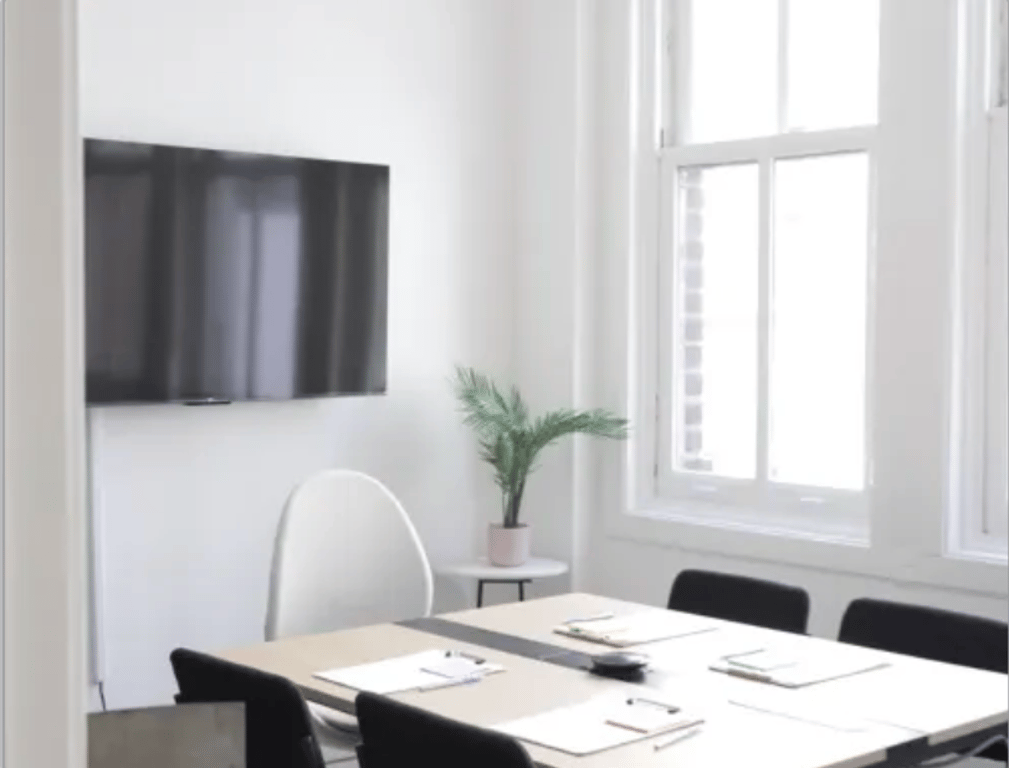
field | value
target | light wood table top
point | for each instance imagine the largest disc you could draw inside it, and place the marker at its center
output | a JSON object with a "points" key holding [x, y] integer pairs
{"points": [[910, 700]]}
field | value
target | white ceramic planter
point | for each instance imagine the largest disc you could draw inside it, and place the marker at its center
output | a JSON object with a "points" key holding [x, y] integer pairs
{"points": [[508, 547]]}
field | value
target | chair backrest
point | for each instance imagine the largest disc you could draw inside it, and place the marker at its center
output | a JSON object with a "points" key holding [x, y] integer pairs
{"points": [[929, 633], [346, 555], [397, 735], [278, 731], [740, 598], [183, 736]]}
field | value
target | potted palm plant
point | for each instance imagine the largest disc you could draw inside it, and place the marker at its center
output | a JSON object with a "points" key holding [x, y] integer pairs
{"points": [[510, 441]]}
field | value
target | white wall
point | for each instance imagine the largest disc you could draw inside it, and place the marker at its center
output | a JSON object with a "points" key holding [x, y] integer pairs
{"points": [[905, 556], [190, 497], [548, 252]]}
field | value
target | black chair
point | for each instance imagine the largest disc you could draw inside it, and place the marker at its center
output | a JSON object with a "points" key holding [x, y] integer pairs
{"points": [[740, 598], [278, 726], [930, 633], [397, 735]]}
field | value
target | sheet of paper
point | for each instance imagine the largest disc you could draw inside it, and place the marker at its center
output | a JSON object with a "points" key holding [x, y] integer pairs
{"points": [[795, 666], [636, 629], [588, 727], [925, 699], [404, 673], [763, 660], [456, 666], [644, 718], [794, 705]]}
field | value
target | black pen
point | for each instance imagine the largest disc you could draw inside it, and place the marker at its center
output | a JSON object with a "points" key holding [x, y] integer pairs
{"points": [[462, 655], [668, 707]]}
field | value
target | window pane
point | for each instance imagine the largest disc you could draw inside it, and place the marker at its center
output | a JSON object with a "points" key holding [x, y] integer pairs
{"points": [[716, 321], [732, 71], [818, 321], [833, 63]]}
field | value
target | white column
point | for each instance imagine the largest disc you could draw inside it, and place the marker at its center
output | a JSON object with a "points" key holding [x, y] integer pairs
{"points": [[44, 584]]}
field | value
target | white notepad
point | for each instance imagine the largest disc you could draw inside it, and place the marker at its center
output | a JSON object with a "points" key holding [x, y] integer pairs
{"points": [[636, 628], [602, 722], [411, 672], [802, 706], [797, 667]]}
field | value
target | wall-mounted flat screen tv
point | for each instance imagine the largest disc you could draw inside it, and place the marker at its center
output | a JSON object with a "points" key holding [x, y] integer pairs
{"points": [[216, 276]]}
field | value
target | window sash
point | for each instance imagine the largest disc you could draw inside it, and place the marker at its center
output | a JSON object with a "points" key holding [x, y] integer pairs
{"points": [[996, 334], [997, 55], [791, 505], [975, 515], [675, 99]]}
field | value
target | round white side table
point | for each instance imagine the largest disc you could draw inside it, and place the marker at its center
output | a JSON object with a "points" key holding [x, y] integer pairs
{"points": [[485, 573]]}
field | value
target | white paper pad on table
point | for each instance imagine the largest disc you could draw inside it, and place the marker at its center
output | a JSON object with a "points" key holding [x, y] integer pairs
{"points": [[920, 696], [407, 673], [602, 722], [637, 628], [796, 705], [796, 667]]}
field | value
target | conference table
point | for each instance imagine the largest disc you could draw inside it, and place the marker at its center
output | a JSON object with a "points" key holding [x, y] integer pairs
{"points": [[900, 714]]}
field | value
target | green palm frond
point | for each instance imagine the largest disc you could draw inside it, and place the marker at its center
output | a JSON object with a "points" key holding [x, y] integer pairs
{"points": [[486, 408], [510, 441], [557, 424]]}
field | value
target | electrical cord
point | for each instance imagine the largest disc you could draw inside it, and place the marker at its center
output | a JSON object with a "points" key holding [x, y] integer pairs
{"points": [[954, 759], [101, 695]]}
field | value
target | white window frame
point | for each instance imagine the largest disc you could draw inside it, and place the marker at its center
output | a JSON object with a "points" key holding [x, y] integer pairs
{"points": [[978, 447], [748, 504]]}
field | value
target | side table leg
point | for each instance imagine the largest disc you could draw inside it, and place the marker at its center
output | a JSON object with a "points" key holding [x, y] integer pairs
{"points": [[479, 593], [522, 591]]}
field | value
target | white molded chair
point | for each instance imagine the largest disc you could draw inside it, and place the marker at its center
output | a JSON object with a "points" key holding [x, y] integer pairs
{"points": [[346, 555]]}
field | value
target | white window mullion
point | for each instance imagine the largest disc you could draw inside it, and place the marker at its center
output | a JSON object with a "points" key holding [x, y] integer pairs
{"points": [[869, 466], [997, 85], [764, 321], [666, 407], [676, 50], [997, 429], [783, 65], [799, 144]]}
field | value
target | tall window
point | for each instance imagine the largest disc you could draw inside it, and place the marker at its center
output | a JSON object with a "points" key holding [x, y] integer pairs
{"points": [[997, 448], [766, 255], [980, 502]]}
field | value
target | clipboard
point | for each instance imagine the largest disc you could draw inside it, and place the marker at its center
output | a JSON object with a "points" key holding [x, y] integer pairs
{"points": [[600, 723], [798, 668], [636, 629], [415, 671]]}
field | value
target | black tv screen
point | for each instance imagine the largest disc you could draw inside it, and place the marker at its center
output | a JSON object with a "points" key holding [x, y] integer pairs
{"points": [[217, 276]]}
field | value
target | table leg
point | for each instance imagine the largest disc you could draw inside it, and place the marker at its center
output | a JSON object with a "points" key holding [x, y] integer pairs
{"points": [[480, 582]]}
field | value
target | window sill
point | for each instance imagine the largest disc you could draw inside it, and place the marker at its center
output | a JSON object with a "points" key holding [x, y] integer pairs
{"points": [[842, 550], [842, 531], [988, 555]]}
